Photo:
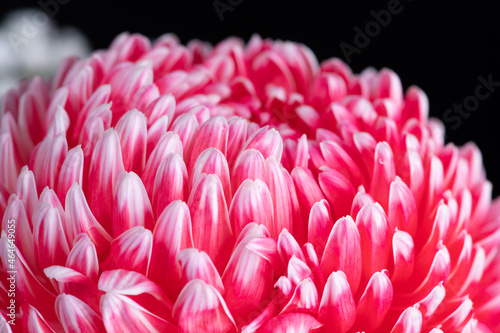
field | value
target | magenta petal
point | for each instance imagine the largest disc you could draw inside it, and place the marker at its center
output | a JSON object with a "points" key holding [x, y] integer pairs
{"points": [[105, 167], [374, 303], [201, 308], [173, 232], [71, 172], [410, 321], [131, 251], [132, 130], [196, 264], [170, 183], [338, 191], [343, 252], [83, 257], [131, 204], [320, 225], [211, 229], [290, 322], [337, 309], [76, 316]]}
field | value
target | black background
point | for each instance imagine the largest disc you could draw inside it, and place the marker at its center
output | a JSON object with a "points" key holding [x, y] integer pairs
{"points": [[441, 48]]}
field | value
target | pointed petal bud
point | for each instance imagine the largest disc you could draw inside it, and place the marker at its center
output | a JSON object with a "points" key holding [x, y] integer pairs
{"points": [[200, 307], [81, 219], [416, 105], [338, 159], [343, 252], [120, 314], [162, 106], [213, 133], [76, 316], [51, 247], [304, 299], [337, 309], [83, 257], [173, 232], [288, 247], [170, 183], [410, 321], [374, 303], [131, 251], [210, 219], [105, 167], [26, 191], [308, 191], [404, 256], [320, 225], [196, 264], [374, 234], [389, 86], [132, 130], [186, 126], [252, 202], [384, 173], [248, 278], [33, 321], [431, 302], [71, 172], [298, 270], [248, 165], [267, 141], [213, 161], [280, 194], [169, 143], [402, 210], [155, 131], [131, 207], [47, 160]]}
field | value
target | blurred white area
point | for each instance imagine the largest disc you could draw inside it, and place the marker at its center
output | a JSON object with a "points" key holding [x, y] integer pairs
{"points": [[32, 44]]}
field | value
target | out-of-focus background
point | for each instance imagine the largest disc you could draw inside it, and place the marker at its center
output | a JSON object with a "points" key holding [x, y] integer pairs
{"points": [[450, 51]]}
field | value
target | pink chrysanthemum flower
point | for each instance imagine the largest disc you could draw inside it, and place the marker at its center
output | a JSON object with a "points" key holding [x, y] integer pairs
{"points": [[165, 188]]}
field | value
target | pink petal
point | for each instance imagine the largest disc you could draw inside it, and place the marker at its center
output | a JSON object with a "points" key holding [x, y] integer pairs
{"points": [[26, 191], [105, 167], [50, 243], [431, 302], [212, 133], [213, 161], [155, 131], [131, 204], [267, 141], [290, 323], [81, 219], [169, 143], [248, 165], [410, 321], [304, 299], [383, 174], [33, 321], [343, 252], [320, 225], [170, 183], [402, 209], [416, 105], [173, 232], [404, 256], [337, 309], [120, 314], [338, 159], [76, 316], [308, 191], [298, 270], [71, 172], [338, 191], [83, 257], [131, 251], [132, 131], [137, 290], [288, 247], [196, 264], [374, 234], [211, 229], [186, 126], [248, 278], [374, 303], [162, 106], [201, 308], [237, 134]]}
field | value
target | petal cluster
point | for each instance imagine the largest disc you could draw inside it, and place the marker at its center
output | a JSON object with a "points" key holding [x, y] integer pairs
{"points": [[157, 187]]}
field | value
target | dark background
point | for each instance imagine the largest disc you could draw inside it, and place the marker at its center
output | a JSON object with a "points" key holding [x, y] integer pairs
{"points": [[441, 48]]}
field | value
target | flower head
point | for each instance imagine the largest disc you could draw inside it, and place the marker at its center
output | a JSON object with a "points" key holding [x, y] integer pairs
{"points": [[161, 188]]}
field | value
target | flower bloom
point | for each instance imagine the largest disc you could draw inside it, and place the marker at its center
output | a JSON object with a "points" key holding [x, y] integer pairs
{"points": [[239, 188]]}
